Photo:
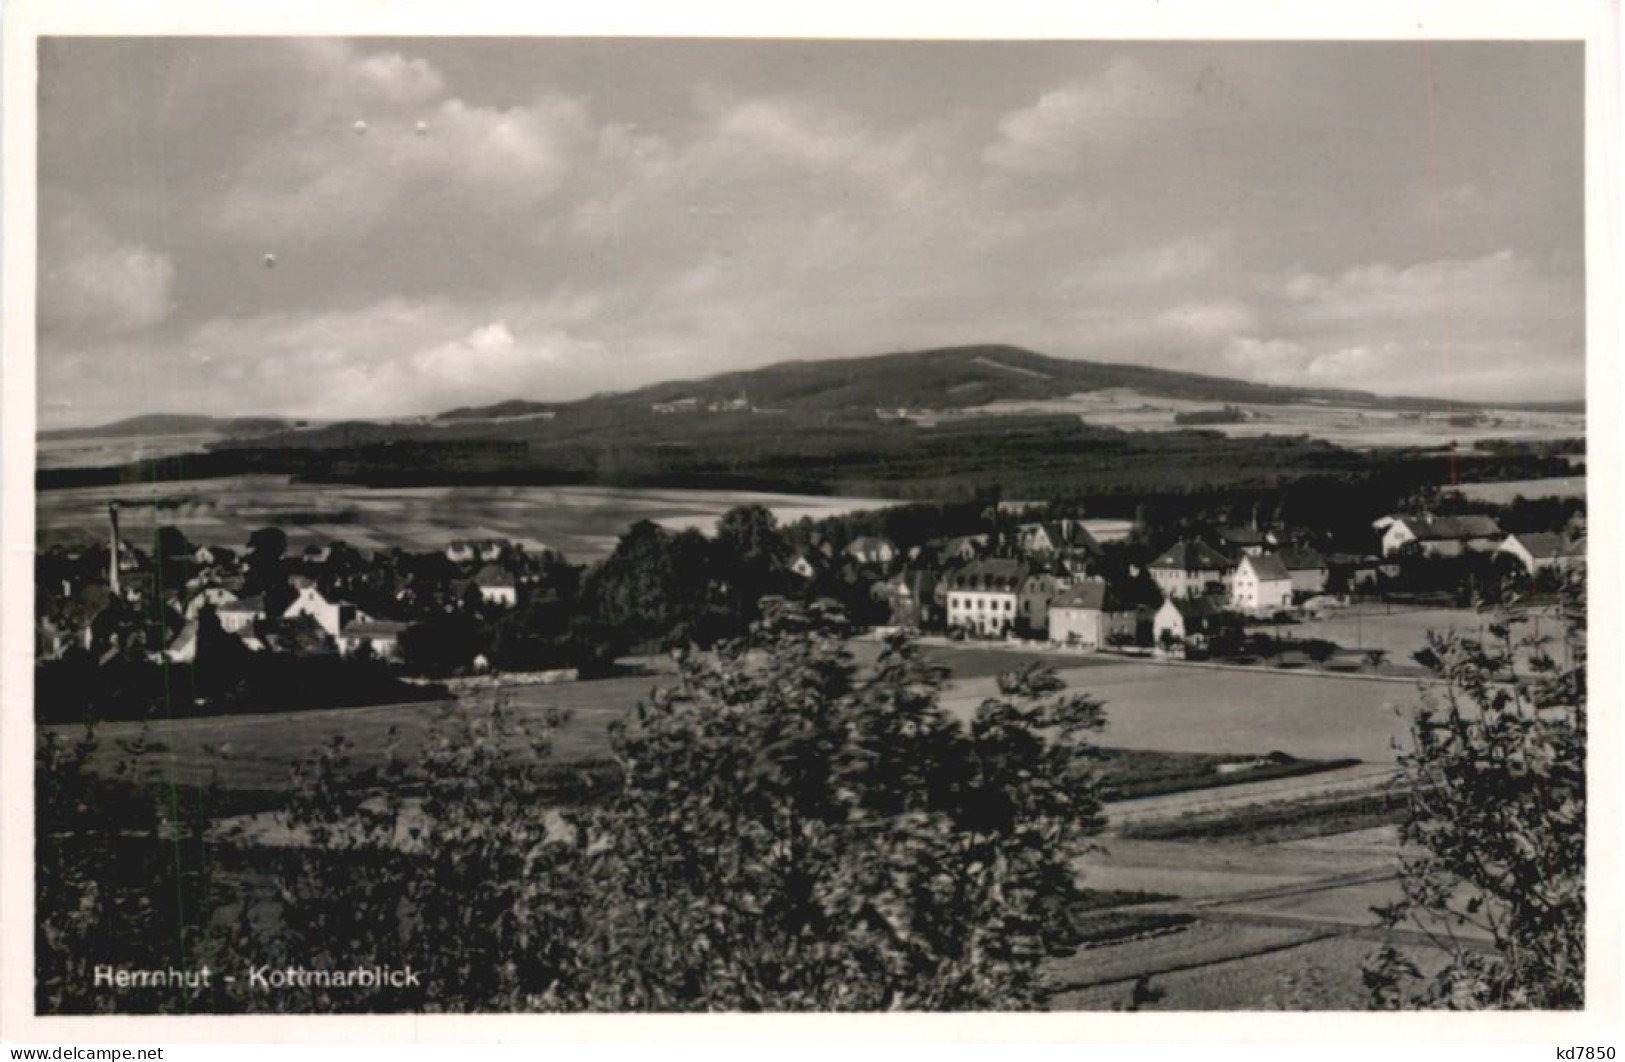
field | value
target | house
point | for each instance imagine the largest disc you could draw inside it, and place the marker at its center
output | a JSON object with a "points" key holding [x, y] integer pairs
{"points": [[470, 551], [1244, 541], [961, 549], [1261, 586], [912, 598], [1308, 569], [1088, 616], [1356, 572], [331, 616], [1535, 551], [1438, 536], [182, 648], [1051, 538], [215, 597], [808, 563], [872, 550], [240, 615], [1037, 590], [1191, 569], [497, 586], [384, 636], [215, 556], [1185, 623], [982, 596]]}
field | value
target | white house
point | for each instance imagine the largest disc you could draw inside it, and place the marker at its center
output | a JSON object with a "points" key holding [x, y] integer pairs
{"points": [[239, 615], [1308, 569], [329, 615], [1262, 585], [1438, 536], [982, 596], [808, 563], [1183, 623], [383, 635], [497, 586], [1190, 569], [871, 550], [1536, 551]]}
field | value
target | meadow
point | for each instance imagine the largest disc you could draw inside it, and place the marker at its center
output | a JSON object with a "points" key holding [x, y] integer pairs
{"points": [[1351, 426], [1168, 708], [581, 522], [1503, 493]]}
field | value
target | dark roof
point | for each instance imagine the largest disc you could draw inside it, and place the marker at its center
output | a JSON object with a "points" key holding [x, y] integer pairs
{"points": [[998, 573], [1242, 536], [491, 575], [1451, 528], [1297, 560], [1197, 607], [243, 604], [1192, 557], [375, 629], [1089, 595], [1543, 545], [1268, 566]]}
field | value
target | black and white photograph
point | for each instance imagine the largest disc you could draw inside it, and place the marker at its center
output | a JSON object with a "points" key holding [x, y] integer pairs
{"points": [[661, 524]]}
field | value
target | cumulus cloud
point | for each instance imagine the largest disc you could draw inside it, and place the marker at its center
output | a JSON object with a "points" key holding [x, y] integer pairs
{"points": [[560, 228], [95, 284], [1070, 123]]}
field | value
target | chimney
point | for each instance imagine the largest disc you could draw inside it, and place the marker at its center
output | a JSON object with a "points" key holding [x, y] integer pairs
{"points": [[112, 546]]}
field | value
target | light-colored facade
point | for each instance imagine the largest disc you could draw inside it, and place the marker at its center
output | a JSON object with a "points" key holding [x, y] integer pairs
{"points": [[983, 596], [1261, 586]]}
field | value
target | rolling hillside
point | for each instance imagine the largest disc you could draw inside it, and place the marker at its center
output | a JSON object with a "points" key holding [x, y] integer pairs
{"points": [[949, 378], [150, 424]]}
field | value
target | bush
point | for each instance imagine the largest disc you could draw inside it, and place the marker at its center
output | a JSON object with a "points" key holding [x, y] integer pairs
{"points": [[780, 831], [1497, 811]]}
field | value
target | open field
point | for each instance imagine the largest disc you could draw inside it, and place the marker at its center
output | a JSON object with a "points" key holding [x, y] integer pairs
{"points": [[582, 522], [1148, 705], [1401, 630], [1503, 493], [1349, 426], [1193, 709], [98, 452]]}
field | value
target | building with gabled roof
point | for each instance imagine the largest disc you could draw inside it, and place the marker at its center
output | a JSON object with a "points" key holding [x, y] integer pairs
{"points": [[1261, 585], [1439, 536], [497, 585], [1185, 623], [1309, 570], [872, 550], [1190, 569], [1536, 551], [384, 636], [1090, 616]]}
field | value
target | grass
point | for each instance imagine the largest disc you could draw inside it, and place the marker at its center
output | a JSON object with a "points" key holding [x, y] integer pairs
{"points": [[1313, 974], [1279, 821], [582, 522]]}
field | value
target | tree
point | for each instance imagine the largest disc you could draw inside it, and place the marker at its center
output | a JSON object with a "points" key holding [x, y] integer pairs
{"points": [[1497, 793], [792, 834], [1320, 651]]}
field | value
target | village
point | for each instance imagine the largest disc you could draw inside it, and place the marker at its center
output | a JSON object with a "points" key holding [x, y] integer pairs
{"points": [[1240, 592]]}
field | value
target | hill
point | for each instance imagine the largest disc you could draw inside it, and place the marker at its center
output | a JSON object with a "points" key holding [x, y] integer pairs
{"points": [[957, 377], [149, 424]]}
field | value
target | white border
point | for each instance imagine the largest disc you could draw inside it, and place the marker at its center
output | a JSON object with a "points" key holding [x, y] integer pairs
{"points": [[1595, 21]]}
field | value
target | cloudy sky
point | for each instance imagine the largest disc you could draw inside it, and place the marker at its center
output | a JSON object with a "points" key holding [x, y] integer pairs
{"points": [[467, 221]]}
